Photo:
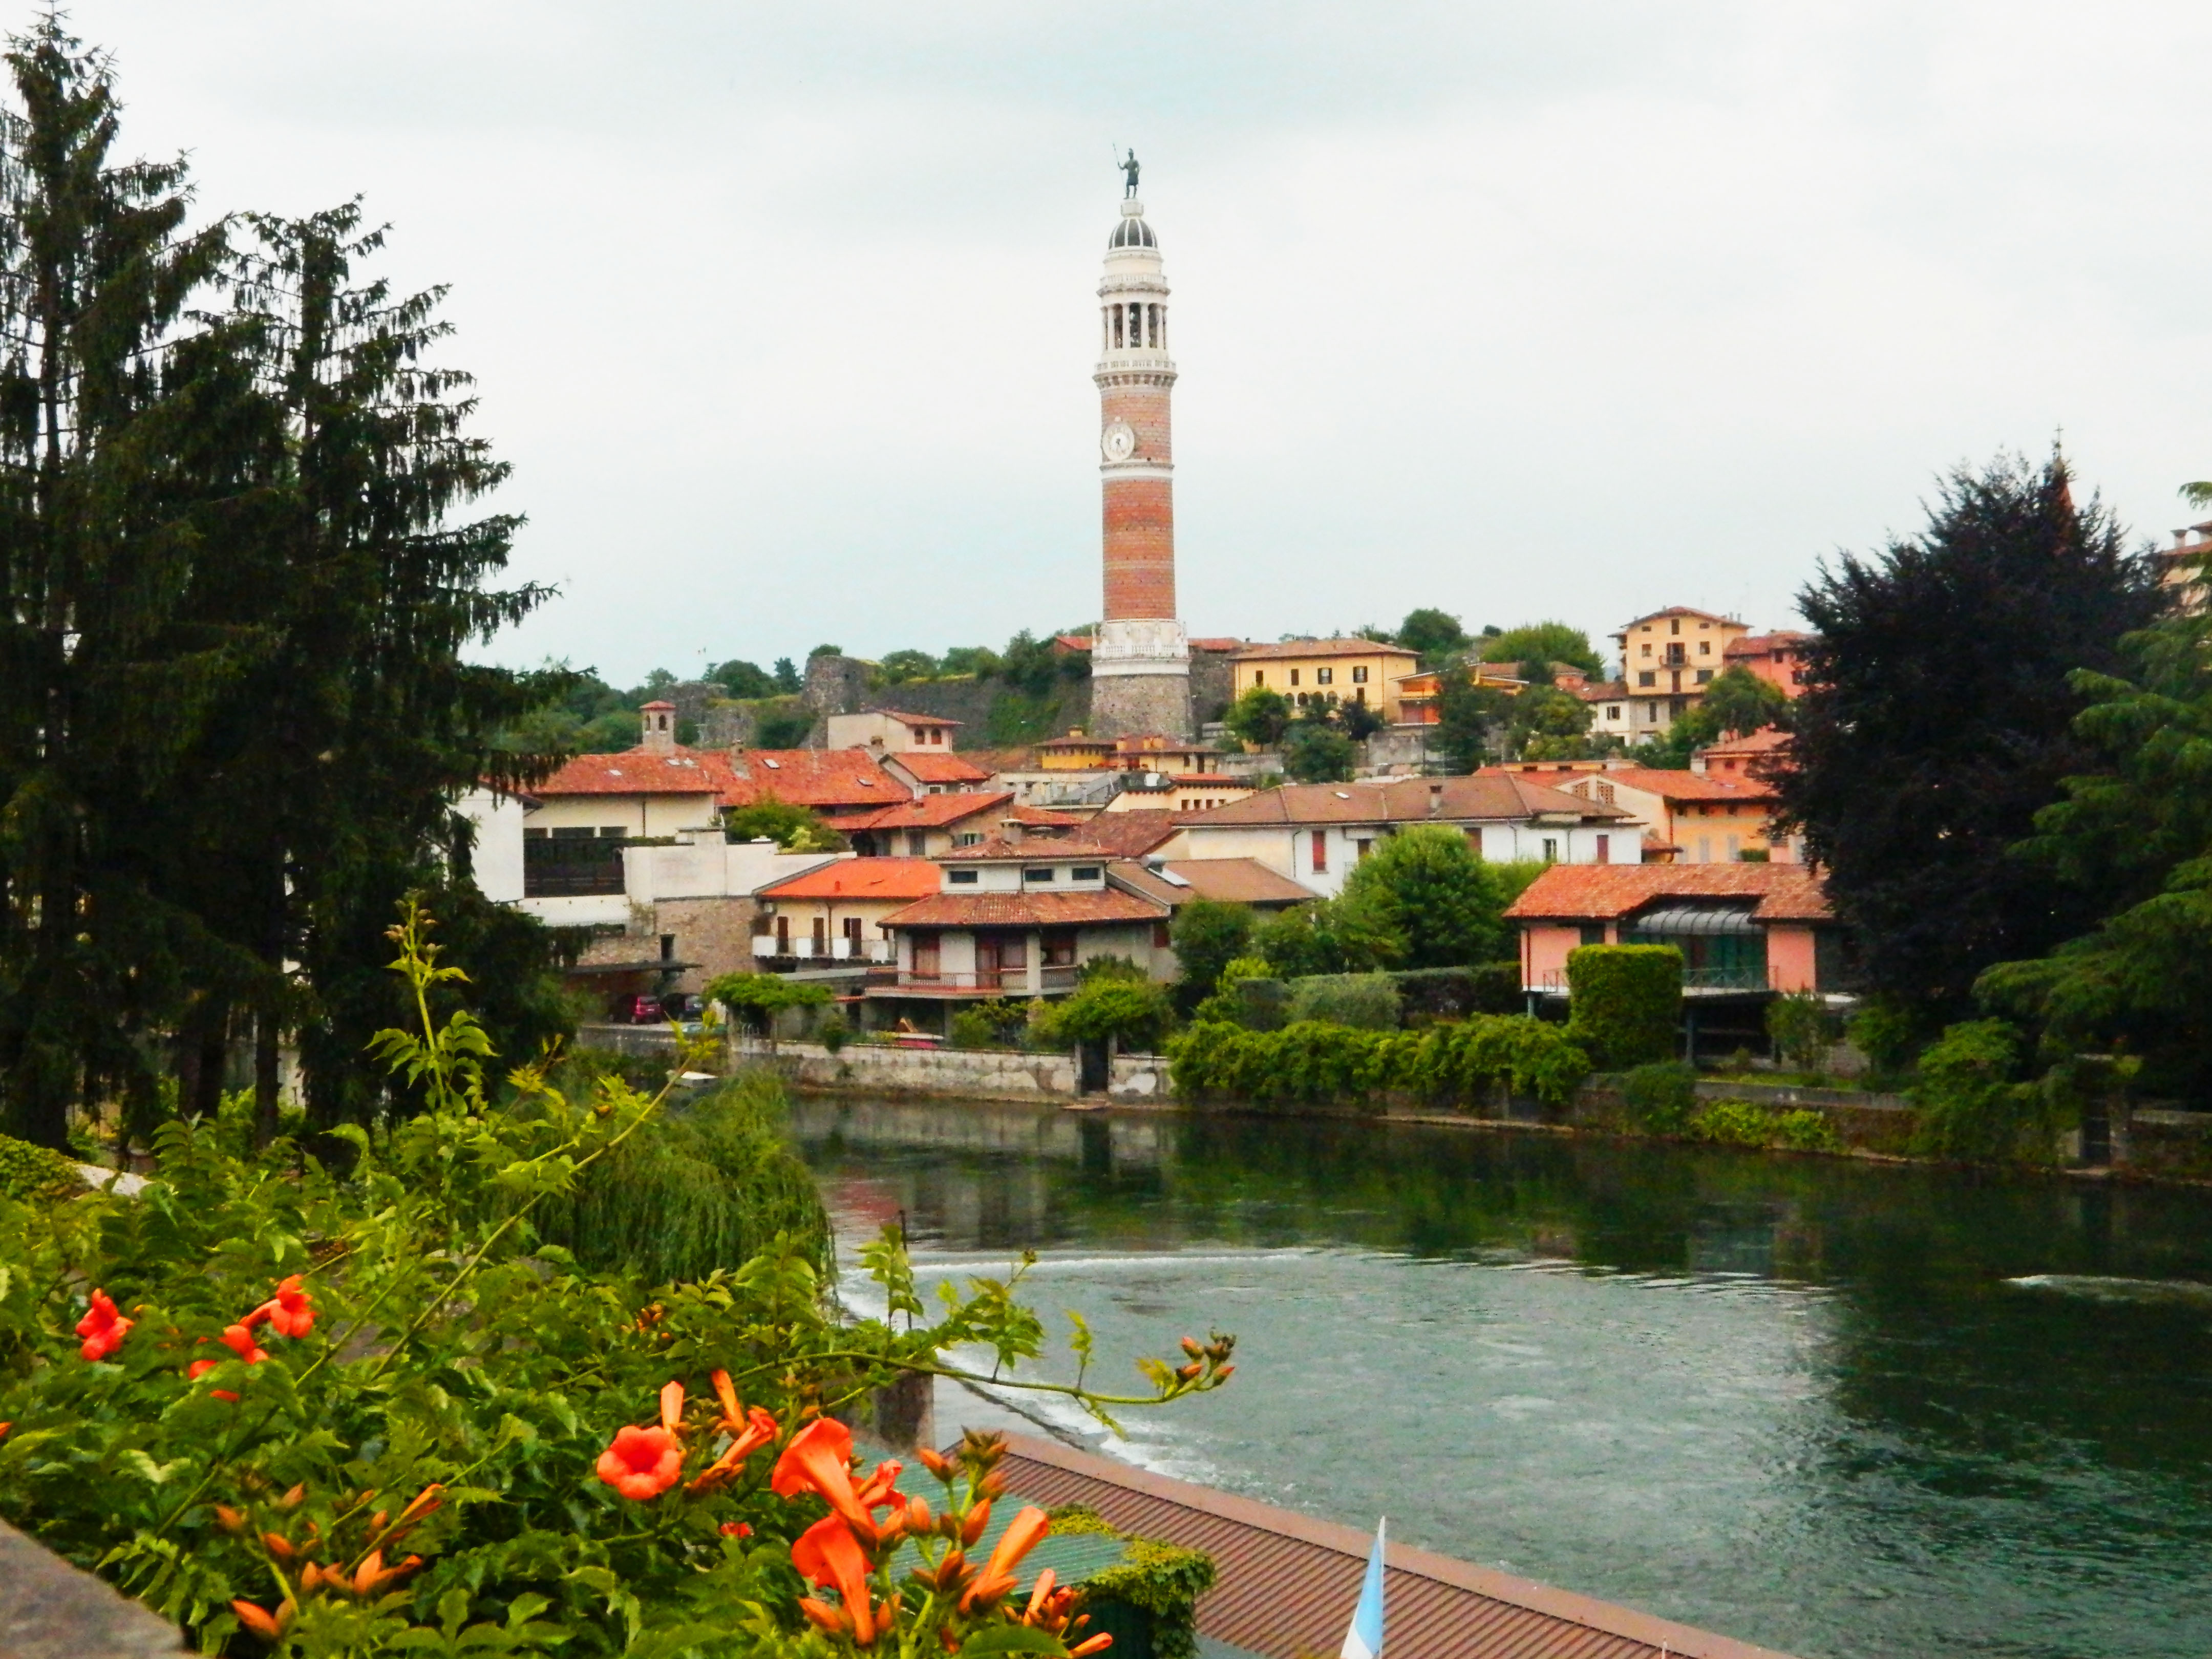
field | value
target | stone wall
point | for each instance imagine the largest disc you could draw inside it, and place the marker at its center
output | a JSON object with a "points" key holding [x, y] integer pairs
{"points": [[838, 685], [968, 1074], [50, 1610], [1212, 684]]}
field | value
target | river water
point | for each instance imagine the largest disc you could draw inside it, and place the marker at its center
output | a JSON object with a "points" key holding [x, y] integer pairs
{"points": [[1837, 1408]]}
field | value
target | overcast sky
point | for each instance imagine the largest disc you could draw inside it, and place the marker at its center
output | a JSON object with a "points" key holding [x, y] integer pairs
{"points": [[785, 315]]}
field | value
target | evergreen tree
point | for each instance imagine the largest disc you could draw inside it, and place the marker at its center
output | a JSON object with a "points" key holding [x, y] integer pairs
{"points": [[1437, 636], [1545, 642], [102, 422], [1939, 720], [1425, 884]]}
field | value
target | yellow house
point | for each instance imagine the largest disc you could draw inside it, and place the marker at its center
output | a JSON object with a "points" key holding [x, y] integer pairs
{"points": [[1328, 671], [1668, 660]]}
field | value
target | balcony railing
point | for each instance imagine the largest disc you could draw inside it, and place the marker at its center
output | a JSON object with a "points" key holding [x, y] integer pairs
{"points": [[839, 949], [1554, 979], [990, 981]]}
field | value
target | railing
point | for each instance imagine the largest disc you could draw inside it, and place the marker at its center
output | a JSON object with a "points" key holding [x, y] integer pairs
{"points": [[1554, 979], [985, 982], [579, 880], [839, 949]]}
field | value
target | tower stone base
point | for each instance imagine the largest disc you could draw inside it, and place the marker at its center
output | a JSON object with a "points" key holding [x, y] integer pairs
{"points": [[1141, 679]]}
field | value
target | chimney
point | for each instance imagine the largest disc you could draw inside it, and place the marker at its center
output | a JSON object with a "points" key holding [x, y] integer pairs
{"points": [[1012, 830], [659, 720]]}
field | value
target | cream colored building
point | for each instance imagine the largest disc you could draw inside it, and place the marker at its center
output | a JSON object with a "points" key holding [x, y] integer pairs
{"points": [[1668, 660], [1327, 671]]}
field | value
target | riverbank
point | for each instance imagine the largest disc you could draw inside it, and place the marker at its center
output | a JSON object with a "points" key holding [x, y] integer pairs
{"points": [[2141, 1145]]}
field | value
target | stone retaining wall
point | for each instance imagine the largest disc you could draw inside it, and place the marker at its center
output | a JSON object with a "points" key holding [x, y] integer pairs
{"points": [[50, 1610], [972, 1073]]}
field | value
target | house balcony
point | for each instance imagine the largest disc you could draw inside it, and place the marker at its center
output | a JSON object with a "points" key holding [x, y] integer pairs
{"points": [[823, 953], [989, 982], [1696, 982]]}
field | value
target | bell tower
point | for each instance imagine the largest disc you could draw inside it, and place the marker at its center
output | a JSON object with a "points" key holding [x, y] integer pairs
{"points": [[1141, 661]]}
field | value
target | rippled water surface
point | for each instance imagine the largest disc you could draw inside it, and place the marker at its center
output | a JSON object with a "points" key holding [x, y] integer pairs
{"points": [[1839, 1409]]}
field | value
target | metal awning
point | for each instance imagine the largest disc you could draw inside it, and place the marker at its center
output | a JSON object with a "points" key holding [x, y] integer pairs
{"points": [[1705, 920]]}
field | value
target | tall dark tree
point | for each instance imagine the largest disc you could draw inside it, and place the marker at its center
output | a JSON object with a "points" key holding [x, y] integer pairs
{"points": [[1437, 636], [1939, 720], [97, 538]]}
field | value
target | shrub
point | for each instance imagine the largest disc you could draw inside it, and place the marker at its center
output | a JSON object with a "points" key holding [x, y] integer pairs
{"points": [[1207, 936], [1885, 1033], [971, 1031], [1625, 1001], [1740, 1123], [1164, 1581], [1799, 1027], [695, 1192], [757, 998], [1969, 1107], [1111, 967], [1660, 1096], [1367, 1001], [1263, 1003], [34, 1173], [1488, 987], [1136, 1013], [1464, 1063], [835, 1033]]}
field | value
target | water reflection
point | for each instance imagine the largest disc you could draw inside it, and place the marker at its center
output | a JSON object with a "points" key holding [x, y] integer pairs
{"points": [[1838, 1408]]}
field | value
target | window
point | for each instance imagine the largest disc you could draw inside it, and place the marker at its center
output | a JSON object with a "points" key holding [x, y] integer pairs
{"points": [[1360, 849], [611, 832], [851, 926], [1551, 849], [962, 877], [668, 947], [1704, 676], [926, 956], [1059, 950], [917, 844], [1604, 853], [1647, 677], [1705, 647], [1161, 940], [1647, 649], [1359, 692], [1734, 847], [1674, 624], [1652, 710], [1320, 852], [1605, 795], [783, 936], [1038, 873], [969, 838], [1085, 873], [584, 834], [1294, 676], [1259, 676], [1613, 711], [1592, 932], [820, 932], [1324, 675]]}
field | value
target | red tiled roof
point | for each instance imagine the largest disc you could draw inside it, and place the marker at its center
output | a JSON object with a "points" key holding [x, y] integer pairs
{"points": [[1026, 910], [1485, 796], [1684, 785], [923, 812], [1216, 645], [1236, 881], [1132, 834], [1078, 740], [1043, 818], [642, 707], [914, 720], [1340, 646], [939, 768], [1594, 892], [640, 772], [1760, 645], [997, 849], [811, 777], [1765, 741], [1603, 691], [859, 878], [1072, 642], [1677, 611], [1288, 1582]]}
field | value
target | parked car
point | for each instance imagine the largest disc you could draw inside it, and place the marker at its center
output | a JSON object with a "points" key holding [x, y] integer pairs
{"points": [[638, 1010]]}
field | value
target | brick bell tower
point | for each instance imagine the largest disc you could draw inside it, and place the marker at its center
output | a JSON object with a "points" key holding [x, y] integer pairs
{"points": [[1141, 661]]}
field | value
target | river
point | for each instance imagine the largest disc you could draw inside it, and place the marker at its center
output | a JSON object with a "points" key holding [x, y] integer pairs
{"points": [[1849, 1411]]}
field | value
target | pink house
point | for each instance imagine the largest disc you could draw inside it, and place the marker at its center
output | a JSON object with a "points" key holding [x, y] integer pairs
{"points": [[1740, 927]]}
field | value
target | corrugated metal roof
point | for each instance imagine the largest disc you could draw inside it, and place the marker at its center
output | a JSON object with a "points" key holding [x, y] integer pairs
{"points": [[1288, 1585]]}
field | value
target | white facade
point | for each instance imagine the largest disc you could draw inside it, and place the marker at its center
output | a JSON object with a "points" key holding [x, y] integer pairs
{"points": [[497, 856], [1318, 857]]}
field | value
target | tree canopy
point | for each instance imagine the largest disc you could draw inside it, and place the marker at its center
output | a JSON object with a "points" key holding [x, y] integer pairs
{"points": [[1939, 719], [1545, 642], [1436, 635], [1426, 885]]}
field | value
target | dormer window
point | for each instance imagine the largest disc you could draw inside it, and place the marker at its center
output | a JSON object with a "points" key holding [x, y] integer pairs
{"points": [[1085, 873], [962, 877], [1038, 873]]}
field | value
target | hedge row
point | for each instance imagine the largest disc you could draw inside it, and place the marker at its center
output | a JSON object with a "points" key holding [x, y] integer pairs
{"points": [[1308, 1063]]}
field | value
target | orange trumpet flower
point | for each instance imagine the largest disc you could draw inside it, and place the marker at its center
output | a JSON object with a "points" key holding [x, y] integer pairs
{"points": [[998, 1577], [291, 1311], [819, 1460], [828, 1555], [102, 1328], [750, 1436], [641, 1463]]}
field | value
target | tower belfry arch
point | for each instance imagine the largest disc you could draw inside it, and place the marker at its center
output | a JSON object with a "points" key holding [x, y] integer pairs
{"points": [[1140, 660]]}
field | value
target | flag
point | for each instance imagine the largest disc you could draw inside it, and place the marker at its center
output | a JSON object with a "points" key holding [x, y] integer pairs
{"points": [[1365, 1639]]}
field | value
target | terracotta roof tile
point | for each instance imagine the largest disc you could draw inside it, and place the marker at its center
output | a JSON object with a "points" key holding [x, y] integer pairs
{"points": [[914, 719], [640, 772], [1678, 611], [940, 768], [1026, 910], [860, 879], [1784, 893], [1044, 818], [924, 811], [1288, 1582], [1485, 796], [819, 778], [1765, 741], [1236, 881], [1335, 647], [1672, 785]]}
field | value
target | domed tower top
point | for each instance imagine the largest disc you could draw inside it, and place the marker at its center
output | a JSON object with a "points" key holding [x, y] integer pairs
{"points": [[1132, 232]]}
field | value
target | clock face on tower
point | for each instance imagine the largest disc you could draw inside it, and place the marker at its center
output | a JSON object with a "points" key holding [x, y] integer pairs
{"points": [[1119, 442]]}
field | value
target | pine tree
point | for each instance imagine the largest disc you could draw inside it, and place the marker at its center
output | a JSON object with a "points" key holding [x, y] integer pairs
{"points": [[1939, 720]]}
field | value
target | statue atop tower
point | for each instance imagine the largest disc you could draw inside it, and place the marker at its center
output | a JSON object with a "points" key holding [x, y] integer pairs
{"points": [[1140, 660]]}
